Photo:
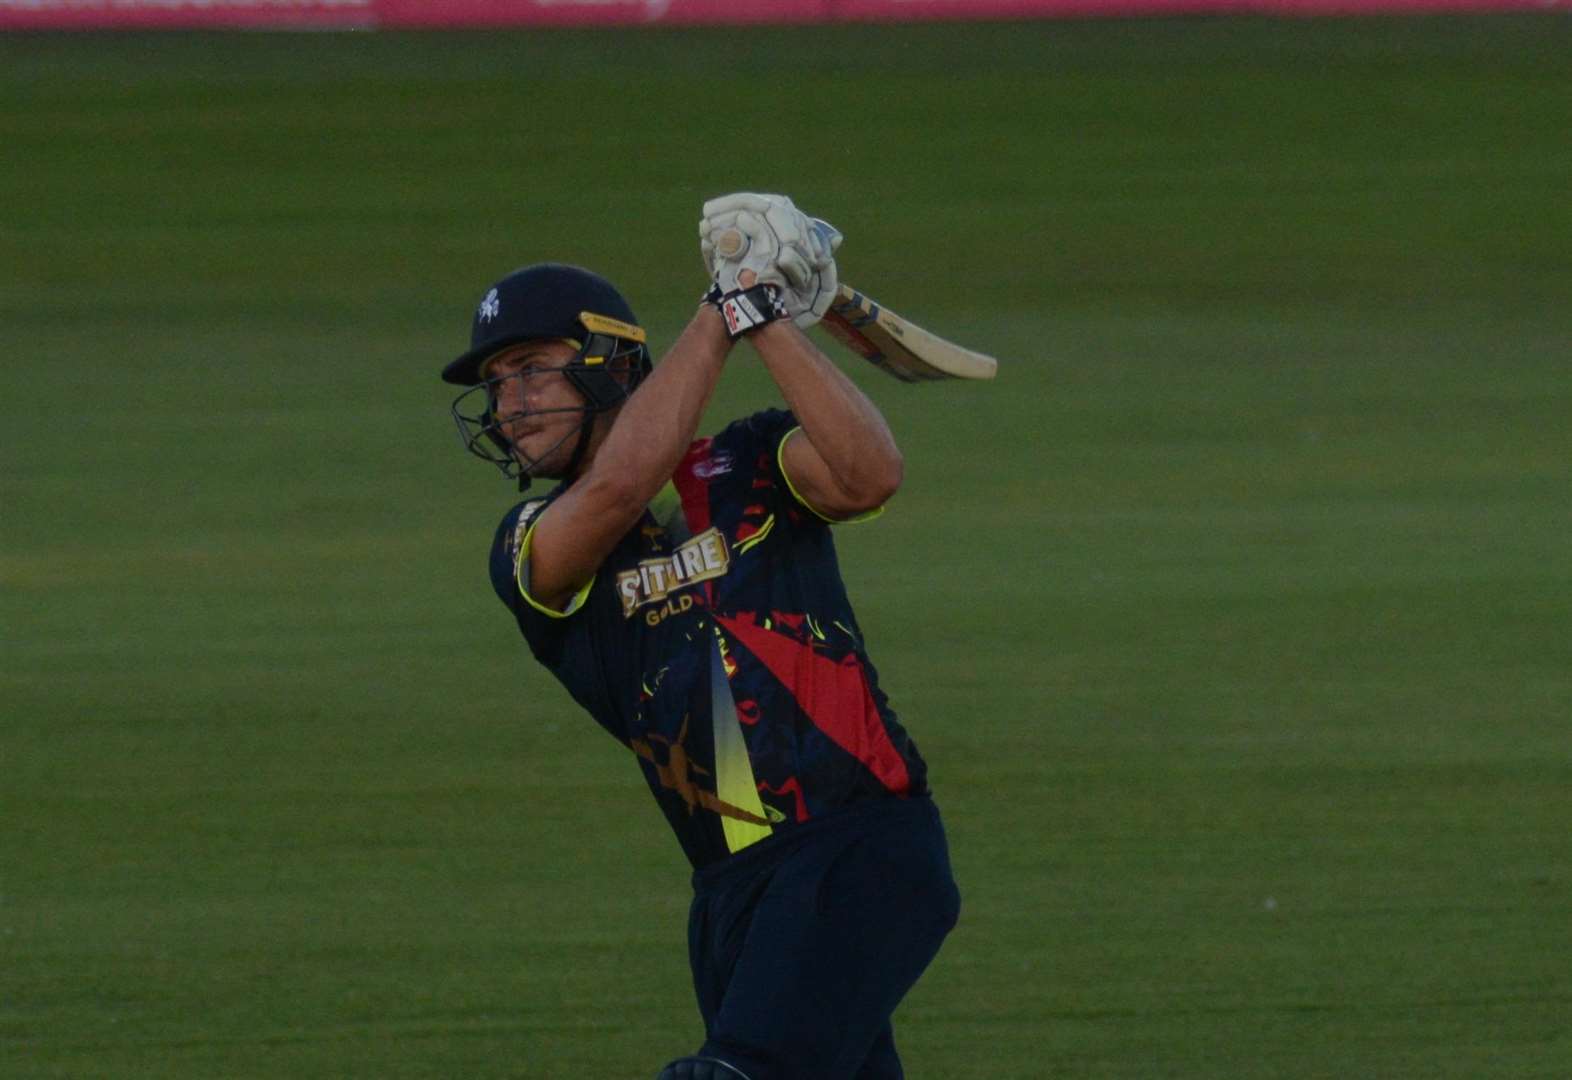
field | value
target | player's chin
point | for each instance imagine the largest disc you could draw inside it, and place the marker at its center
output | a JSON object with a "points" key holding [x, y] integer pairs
{"points": [[543, 457], [541, 470]]}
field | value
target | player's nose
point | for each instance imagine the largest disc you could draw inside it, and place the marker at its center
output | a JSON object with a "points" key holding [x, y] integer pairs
{"points": [[511, 394]]}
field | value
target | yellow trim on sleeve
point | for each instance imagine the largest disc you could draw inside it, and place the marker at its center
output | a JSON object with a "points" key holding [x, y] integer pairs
{"points": [[780, 461], [518, 576]]}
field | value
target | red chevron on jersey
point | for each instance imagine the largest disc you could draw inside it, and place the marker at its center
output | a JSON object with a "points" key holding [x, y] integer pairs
{"points": [[834, 695]]}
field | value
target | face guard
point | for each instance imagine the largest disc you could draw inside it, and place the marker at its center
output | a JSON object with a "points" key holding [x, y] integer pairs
{"points": [[608, 366]]}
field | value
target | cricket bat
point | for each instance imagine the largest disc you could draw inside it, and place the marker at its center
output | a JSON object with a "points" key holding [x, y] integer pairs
{"points": [[897, 346], [886, 340]]}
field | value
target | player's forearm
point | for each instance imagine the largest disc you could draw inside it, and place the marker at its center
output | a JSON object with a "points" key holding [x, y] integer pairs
{"points": [[846, 429], [656, 426]]}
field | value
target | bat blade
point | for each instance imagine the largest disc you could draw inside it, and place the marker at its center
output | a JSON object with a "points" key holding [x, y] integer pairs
{"points": [[898, 346]]}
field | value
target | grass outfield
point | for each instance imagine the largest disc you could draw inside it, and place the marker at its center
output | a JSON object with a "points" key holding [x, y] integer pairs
{"points": [[1235, 619]]}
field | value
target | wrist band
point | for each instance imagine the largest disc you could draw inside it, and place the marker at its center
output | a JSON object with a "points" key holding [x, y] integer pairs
{"points": [[747, 309]]}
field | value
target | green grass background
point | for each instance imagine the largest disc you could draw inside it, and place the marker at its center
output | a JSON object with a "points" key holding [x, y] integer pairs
{"points": [[1235, 619]]}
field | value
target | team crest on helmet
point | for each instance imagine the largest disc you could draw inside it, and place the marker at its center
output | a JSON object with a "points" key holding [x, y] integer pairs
{"points": [[490, 306]]}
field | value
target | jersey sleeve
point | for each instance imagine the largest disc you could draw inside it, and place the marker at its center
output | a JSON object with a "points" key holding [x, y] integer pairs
{"points": [[762, 438], [543, 627]]}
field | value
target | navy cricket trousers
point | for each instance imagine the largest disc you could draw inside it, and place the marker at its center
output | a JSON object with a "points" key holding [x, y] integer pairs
{"points": [[802, 945]]}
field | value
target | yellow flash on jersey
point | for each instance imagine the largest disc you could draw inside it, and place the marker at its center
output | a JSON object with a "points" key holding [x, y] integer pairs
{"points": [[734, 780]]}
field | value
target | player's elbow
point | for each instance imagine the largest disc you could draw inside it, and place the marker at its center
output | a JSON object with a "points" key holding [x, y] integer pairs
{"points": [[877, 482], [891, 474]]}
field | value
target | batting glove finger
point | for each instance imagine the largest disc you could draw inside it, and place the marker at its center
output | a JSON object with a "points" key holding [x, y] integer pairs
{"points": [[758, 252], [824, 241], [789, 224], [709, 229], [794, 263], [763, 244], [809, 305], [711, 222], [751, 201]]}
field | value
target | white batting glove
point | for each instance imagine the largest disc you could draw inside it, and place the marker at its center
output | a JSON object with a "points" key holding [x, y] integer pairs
{"points": [[749, 239], [751, 230], [817, 293]]}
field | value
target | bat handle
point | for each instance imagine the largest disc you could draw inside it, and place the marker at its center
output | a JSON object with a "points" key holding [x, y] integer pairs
{"points": [[730, 243]]}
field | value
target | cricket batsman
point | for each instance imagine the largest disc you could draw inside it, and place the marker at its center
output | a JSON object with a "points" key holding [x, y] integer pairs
{"points": [[686, 593]]}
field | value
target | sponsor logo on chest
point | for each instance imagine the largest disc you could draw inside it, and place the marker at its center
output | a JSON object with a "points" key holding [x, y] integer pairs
{"points": [[699, 558]]}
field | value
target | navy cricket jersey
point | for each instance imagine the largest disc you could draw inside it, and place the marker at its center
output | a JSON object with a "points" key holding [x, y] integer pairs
{"points": [[716, 642]]}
